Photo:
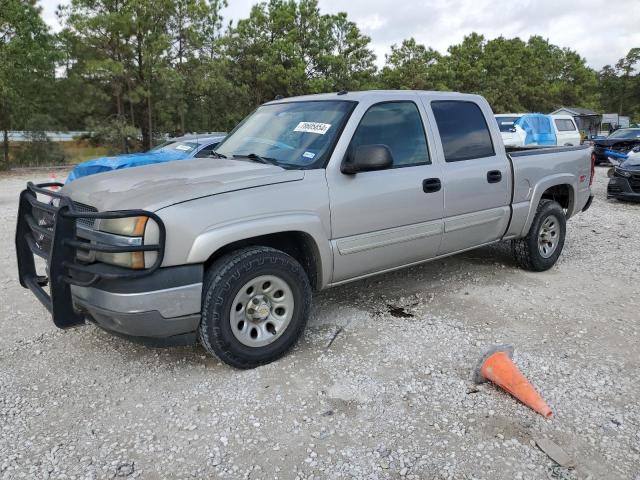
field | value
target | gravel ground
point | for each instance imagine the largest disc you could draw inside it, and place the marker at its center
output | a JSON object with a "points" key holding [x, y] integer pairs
{"points": [[389, 397]]}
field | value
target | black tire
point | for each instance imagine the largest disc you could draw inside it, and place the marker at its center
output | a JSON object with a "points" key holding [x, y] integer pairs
{"points": [[223, 281], [526, 251]]}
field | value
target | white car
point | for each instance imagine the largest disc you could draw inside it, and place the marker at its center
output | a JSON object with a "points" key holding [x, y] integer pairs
{"points": [[567, 133], [513, 135]]}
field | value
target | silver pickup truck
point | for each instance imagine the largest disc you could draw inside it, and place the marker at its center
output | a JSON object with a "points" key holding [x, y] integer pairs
{"points": [[306, 193]]}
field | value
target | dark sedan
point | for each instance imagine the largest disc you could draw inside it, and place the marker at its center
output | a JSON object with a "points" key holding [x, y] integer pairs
{"points": [[622, 141], [625, 178]]}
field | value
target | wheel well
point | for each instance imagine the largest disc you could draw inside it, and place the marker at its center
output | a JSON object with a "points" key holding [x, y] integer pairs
{"points": [[563, 194], [299, 245]]}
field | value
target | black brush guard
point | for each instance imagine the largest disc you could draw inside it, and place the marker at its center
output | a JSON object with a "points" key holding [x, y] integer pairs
{"points": [[49, 232]]}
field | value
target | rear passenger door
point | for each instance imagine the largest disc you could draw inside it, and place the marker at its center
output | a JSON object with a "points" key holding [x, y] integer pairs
{"points": [[476, 175]]}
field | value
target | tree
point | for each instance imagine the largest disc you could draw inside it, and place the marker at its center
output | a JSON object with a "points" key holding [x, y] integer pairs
{"points": [[141, 53], [27, 65], [620, 85], [351, 64], [288, 48], [412, 66]]}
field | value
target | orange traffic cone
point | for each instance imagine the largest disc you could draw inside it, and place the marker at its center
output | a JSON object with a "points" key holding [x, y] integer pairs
{"points": [[53, 179], [497, 367]]}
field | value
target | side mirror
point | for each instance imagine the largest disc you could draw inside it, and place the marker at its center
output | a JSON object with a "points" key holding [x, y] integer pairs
{"points": [[366, 158]]}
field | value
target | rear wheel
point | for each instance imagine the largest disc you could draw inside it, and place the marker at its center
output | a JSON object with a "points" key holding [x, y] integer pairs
{"points": [[255, 306], [542, 246]]}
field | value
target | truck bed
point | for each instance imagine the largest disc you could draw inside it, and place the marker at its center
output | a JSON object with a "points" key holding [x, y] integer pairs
{"points": [[536, 169]]}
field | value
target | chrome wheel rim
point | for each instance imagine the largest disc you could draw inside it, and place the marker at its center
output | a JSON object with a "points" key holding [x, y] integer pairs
{"points": [[549, 236], [261, 311]]}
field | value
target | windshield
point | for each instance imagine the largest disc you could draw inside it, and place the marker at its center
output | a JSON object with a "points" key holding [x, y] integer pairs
{"points": [[506, 124], [626, 133], [292, 135], [183, 147]]}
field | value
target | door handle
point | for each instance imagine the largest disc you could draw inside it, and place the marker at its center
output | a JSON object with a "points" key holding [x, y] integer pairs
{"points": [[430, 185], [494, 176]]}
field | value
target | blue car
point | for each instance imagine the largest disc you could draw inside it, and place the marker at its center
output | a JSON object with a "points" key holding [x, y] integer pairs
{"points": [[180, 148]]}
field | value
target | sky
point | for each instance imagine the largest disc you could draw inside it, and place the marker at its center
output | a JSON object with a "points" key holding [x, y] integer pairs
{"points": [[600, 31]]}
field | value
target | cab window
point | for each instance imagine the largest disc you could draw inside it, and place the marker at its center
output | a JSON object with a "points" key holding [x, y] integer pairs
{"points": [[565, 125], [397, 125], [463, 130]]}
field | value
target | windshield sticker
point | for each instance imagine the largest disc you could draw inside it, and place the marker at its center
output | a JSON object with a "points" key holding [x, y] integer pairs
{"points": [[313, 127], [184, 148], [308, 154]]}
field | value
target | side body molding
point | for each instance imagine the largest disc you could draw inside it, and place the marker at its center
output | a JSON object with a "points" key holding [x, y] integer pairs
{"points": [[219, 235]]}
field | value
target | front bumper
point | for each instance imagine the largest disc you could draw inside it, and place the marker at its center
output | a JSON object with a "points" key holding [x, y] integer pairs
{"points": [[624, 188], [153, 302], [165, 304]]}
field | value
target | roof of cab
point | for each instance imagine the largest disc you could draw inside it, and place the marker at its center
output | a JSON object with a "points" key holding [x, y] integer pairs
{"points": [[366, 94]]}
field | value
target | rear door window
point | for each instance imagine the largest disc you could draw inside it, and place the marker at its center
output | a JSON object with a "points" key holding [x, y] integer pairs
{"points": [[564, 125], [463, 130]]}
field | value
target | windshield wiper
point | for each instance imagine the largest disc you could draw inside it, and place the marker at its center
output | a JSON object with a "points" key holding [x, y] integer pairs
{"points": [[215, 154], [258, 158]]}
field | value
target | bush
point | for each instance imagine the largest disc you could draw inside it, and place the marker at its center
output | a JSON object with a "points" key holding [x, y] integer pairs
{"points": [[38, 150], [115, 134]]}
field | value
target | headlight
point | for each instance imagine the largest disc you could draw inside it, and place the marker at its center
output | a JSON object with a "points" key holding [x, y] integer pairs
{"points": [[128, 227], [622, 173]]}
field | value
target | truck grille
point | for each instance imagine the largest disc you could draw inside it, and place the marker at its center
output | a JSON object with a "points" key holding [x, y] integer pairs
{"points": [[82, 208], [46, 220]]}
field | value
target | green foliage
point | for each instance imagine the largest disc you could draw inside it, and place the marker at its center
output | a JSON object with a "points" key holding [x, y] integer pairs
{"points": [[27, 62], [38, 149], [288, 48], [140, 55], [513, 75], [115, 133], [133, 70], [412, 66], [620, 85]]}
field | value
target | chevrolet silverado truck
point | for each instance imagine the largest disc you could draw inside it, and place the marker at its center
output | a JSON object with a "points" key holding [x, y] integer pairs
{"points": [[306, 193]]}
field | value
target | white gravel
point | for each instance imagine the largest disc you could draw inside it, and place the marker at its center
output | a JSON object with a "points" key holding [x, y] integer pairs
{"points": [[390, 398]]}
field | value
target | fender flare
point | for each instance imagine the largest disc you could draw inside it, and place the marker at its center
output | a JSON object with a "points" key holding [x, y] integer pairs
{"points": [[541, 187], [218, 236]]}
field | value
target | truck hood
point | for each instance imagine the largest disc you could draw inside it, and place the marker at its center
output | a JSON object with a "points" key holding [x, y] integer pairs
{"points": [[154, 187]]}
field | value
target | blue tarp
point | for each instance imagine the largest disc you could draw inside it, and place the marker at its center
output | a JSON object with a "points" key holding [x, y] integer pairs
{"points": [[614, 154], [538, 128], [105, 164]]}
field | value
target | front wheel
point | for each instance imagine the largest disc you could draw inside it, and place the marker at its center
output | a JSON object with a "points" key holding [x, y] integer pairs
{"points": [[256, 302], [542, 246]]}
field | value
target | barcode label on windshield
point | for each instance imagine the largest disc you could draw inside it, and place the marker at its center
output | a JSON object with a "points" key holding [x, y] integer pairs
{"points": [[313, 127]]}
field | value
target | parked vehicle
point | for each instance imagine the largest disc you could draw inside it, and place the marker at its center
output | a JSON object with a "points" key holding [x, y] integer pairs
{"points": [[529, 129], [624, 182], [512, 134], [179, 148], [310, 192], [567, 133], [622, 140]]}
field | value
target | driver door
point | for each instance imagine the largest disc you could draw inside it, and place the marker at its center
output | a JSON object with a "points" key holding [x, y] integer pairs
{"points": [[393, 217]]}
